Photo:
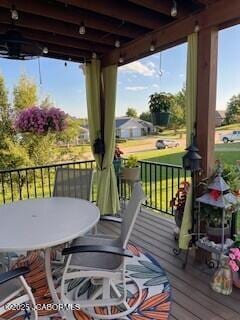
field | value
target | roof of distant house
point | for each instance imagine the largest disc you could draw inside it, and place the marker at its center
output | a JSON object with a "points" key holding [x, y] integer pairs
{"points": [[121, 120], [221, 114]]}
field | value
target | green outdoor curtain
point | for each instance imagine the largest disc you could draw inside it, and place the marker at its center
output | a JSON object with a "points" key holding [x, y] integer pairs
{"points": [[191, 102], [101, 93], [191, 86]]}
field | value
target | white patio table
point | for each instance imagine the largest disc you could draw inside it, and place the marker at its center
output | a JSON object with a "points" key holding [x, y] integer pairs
{"points": [[44, 223]]}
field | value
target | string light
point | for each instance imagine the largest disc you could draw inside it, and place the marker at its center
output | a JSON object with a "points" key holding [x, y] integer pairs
{"points": [[196, 27], [152, 47], [82, 29], [121, 60], [117, 44], [174, 9], [14, 13], [45, 50]]}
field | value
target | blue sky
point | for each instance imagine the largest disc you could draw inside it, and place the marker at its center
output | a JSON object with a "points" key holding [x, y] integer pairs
{"points": [[136, 81]]}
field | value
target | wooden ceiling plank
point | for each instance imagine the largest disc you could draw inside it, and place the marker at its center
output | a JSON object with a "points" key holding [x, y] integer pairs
{"points": [[124, 11], [216, 15], [163, 6], [70, 15], [58, 39], [56, 27]]}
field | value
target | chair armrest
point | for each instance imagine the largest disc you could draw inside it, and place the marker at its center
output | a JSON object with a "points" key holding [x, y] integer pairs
{"points": [[111, 219], [12, 274], [96, 248]]}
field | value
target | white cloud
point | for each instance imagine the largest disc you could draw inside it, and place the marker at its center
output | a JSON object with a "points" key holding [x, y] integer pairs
{"points": [[155, 85], [140, 68], [136, 88], [182, 75]]}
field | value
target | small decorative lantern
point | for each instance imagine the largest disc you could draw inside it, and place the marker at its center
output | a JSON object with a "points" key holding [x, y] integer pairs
{"points": [[192, 159], [99, 146]]}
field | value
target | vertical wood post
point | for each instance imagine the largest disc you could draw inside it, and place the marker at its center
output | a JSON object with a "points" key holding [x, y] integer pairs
{"points": [[206, 97]]}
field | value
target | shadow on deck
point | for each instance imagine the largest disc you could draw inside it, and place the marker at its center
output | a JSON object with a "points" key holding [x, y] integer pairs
{"points": [[193, 299]]}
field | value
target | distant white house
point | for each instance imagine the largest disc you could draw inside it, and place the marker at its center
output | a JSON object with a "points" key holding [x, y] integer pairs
{"points": [[220, 117], [127, 127], [84, 135]]}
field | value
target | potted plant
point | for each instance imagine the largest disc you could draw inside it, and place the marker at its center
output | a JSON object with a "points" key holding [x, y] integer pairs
{"points": [[213, 219], [131, 169], [160, 105], [117, 160]]}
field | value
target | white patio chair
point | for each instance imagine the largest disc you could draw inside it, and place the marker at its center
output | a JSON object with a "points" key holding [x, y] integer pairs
{"points": [[14, 290], [74, 183], [101, 259]]}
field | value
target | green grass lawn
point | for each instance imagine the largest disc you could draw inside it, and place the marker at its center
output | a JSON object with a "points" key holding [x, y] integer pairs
{"points": [[228, 153], [229, 127]]}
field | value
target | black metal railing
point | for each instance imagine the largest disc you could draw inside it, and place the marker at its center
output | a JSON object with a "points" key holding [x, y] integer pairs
{"points": [[34, 182], [160, 182]]}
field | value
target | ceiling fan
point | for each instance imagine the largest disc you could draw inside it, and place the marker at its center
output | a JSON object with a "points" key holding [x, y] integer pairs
{"points": [[13, 45]]}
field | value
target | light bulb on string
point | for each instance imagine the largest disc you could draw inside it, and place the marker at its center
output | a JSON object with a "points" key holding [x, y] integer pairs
{"points": [[82, 29], [174, 9]]}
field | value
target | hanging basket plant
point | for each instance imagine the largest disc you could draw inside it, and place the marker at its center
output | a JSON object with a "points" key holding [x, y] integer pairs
{"points": [[160, 105], [40, 120]]}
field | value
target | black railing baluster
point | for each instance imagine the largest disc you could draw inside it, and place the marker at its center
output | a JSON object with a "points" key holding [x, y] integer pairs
{"points": [[161, 198], [34, 183], [155, 185], [166, 206], [42, 182], [27, 184], [11, 186], [49, 182], [19, 185], [3, 188], [172, 171], [150, 181]]}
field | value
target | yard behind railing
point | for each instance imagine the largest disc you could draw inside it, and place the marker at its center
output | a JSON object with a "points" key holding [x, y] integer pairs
{"points": [[160, 183]]}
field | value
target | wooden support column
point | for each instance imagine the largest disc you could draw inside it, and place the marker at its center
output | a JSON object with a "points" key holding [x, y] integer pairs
{"points": [[206, 96]]}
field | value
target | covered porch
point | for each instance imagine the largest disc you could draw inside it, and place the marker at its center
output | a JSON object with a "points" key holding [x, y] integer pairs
{"points": [[104, 36]]}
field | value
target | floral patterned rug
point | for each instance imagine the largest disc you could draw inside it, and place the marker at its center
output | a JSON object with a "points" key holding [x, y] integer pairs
{"points": [[156, 293]]}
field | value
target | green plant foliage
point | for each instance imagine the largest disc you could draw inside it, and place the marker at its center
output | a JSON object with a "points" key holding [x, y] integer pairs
{"points": [[146, 116], [160, 102], [233, 110], [131, 162], [24, 93], [131, 112]]}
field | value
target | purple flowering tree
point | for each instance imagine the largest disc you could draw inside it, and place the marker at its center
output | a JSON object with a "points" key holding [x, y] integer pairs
{"points": [[41, 120]]}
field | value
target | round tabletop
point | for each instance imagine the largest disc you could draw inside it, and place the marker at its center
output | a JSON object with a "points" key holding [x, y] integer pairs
{"points": [[43, 223]]}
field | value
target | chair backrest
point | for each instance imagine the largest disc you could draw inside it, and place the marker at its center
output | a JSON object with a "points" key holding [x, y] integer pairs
{"points": [[75, 183], [131, 212]]}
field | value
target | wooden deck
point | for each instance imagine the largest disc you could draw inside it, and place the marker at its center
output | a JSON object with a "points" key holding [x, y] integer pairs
{"points": [[192, 296]]}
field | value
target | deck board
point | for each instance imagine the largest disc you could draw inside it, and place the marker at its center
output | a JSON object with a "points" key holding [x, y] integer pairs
{"points": [[193, 299]]}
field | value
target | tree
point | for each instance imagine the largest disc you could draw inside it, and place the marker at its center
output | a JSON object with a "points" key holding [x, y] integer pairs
{"points": [[178, 110], [131, 112], [146, 116], [71, 132], [24, 93], [5, 111], [233, 110]]}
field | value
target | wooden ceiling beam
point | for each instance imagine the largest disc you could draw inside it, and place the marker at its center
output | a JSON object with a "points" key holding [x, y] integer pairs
{"points": [[216, 15], [74, 16], [163, 6], [57, 27], [123, 11], [58, 40]]}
